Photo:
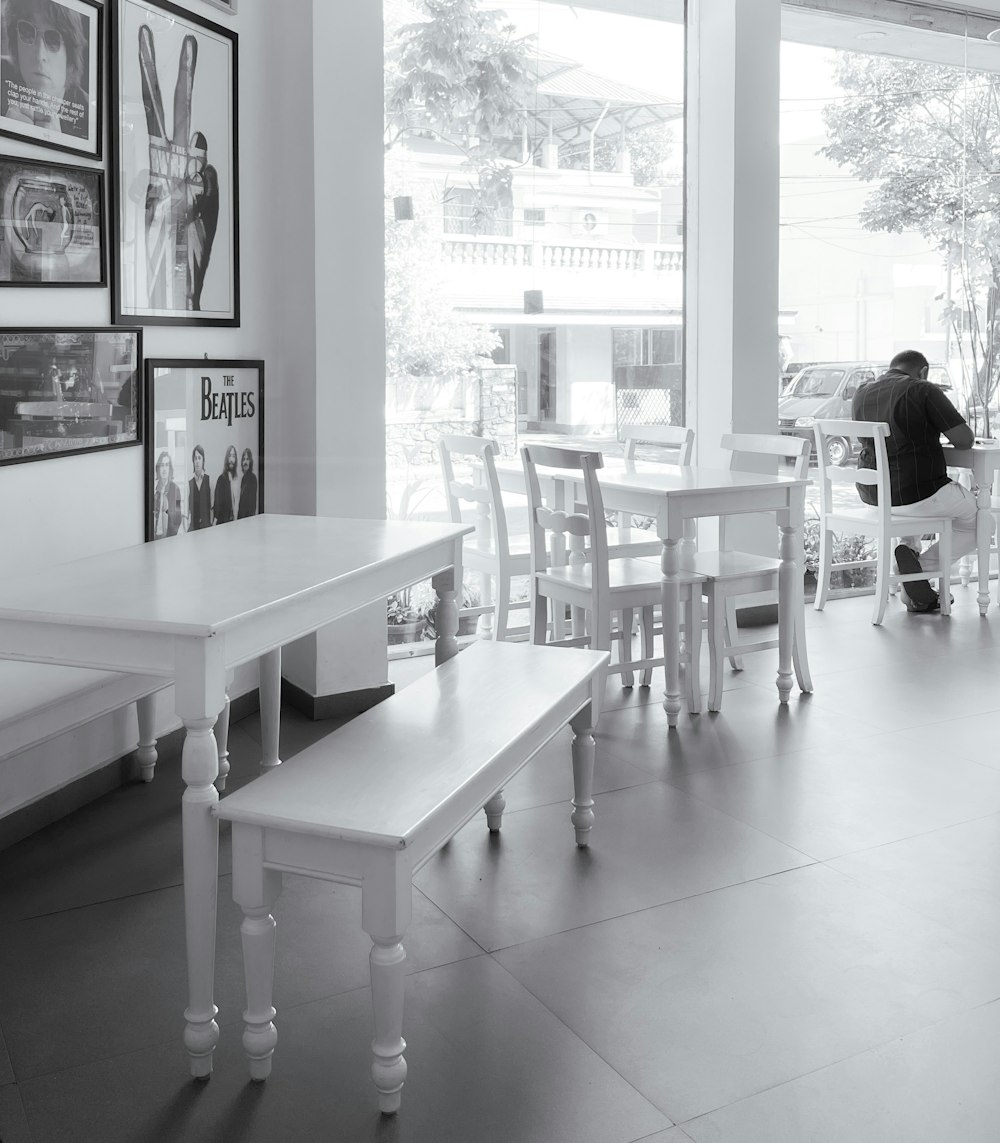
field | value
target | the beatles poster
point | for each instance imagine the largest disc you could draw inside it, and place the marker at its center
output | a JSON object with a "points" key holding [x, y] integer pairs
{"points": [[176, 228], [204, 444], [50, 73], [51, 224], [67, 391]]}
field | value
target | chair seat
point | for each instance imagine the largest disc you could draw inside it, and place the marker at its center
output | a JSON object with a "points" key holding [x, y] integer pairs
{"points": [[734, 565], [623, 575], [868, 522]]}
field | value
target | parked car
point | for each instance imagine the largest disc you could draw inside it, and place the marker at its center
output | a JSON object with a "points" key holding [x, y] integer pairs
{"points": [[789, 373], [824, 390]]}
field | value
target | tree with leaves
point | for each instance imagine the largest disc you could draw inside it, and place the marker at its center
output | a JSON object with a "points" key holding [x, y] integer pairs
{"points": [[462, 76], [927, 138]]}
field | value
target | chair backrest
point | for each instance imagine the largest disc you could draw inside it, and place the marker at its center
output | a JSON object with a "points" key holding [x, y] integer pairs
{"points": [[548, 518], [743, 445], [481, 489], [673, 443], [830, 474]]}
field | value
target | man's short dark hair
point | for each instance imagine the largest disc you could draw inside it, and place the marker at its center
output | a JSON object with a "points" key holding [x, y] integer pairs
{"points": [[910, 361]]}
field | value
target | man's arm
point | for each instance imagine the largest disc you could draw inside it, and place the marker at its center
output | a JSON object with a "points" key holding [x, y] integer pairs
{"points": [[961, 436], [946, 418]]}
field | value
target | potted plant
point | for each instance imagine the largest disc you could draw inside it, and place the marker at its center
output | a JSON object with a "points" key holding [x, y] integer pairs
{"points": [[405, 623]]}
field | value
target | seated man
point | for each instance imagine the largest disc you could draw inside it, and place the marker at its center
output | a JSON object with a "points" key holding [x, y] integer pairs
{"points": [[917, 413]]}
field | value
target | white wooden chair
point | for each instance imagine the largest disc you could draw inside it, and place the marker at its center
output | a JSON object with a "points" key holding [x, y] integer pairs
{"points": [[599, 587], [877, 521], [732, 575], [668, 444], [491, 550]]}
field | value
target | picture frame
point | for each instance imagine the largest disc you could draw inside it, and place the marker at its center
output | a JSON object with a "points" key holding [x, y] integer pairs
{"points": [[176, 218], [51, 224], [68, 390], [52, 73], [211, 408], [226, 5]]}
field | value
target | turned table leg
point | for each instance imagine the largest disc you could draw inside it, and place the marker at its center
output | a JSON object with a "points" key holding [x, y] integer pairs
{"points": [[146, 750], [270, 708], [670, 610], [584, 752]]}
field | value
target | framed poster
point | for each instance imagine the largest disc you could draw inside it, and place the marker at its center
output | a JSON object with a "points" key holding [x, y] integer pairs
{"points": [[51, 69], [204, 456], [51, 224], [68, 391], [176, 220]]}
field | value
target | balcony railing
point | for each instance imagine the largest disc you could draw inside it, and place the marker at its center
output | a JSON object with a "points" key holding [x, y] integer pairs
{"points": [[560, 255]]}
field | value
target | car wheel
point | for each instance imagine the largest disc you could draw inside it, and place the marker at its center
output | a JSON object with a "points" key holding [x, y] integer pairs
{"points": [[838, 451]]}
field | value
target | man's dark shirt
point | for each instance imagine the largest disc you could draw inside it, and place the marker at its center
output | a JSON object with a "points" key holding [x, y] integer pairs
{"points": [[917, 413]]}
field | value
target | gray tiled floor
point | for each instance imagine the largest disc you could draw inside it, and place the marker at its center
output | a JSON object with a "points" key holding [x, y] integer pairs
{"points": [[785, 931]]}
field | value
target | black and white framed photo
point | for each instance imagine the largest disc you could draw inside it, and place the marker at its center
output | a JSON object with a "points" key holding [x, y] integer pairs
{"points": [[204, 454], [226, 5], [51, 68], [51, 224], [68, 391], [176, 221]]}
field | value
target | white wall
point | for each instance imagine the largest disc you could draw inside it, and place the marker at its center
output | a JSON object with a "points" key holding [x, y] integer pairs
{"points": [[55, 509]]}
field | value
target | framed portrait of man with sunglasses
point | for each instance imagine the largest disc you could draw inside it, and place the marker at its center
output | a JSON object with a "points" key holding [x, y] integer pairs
{"points": [[50, 73]]}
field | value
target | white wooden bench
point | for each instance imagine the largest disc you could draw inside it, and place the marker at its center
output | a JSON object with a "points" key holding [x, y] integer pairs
{"points": [[372, 802], [40, 701]]}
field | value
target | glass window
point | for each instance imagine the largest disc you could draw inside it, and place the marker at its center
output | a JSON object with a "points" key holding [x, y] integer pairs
{"points": [[890, 216]]}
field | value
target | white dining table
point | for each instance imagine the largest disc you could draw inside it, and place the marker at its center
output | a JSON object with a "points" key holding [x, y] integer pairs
{"points": [[192, 609], [982, 461], [674, 496]]}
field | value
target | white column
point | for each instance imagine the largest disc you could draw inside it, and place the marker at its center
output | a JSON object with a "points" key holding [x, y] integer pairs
{"points": [[731, 318], [348, 421]]}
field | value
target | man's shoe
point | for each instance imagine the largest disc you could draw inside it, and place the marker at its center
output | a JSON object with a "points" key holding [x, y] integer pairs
{"points": [[921, 608], [919, 591]]}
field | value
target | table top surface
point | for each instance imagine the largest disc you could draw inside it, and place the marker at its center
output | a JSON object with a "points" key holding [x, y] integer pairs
{"points": [[658, 477], [203, 582]]}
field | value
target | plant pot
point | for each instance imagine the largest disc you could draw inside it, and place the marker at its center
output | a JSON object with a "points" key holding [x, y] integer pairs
{"points": [[468, 624], [412, 631]]}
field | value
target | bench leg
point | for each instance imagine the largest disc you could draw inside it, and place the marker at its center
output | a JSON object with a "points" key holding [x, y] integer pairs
{"points": [[584, 750], [259, 1032], [255, 889], [146, 751], [222, 740], [385, 913], [494, 811]]}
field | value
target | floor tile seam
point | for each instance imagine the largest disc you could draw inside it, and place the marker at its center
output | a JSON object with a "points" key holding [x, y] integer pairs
{"points": [[653, 905], [865, 736], [647, 780], [414, 888], [910, 836], [977, 713], [671, 1122], [814, 859], [875, 1047], [24, 1115], [93, 905], [811, 859], [900, 902]]}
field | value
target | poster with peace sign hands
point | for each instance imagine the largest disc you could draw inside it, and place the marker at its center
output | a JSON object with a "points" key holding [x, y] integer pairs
{"points": [[177, 217]]}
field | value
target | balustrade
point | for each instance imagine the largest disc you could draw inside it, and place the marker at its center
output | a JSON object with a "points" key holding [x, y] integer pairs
{"points": [[561, 256]]}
